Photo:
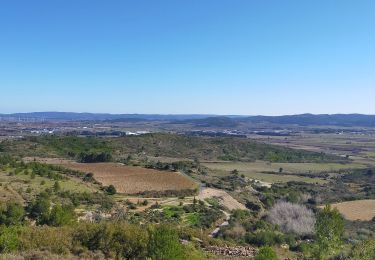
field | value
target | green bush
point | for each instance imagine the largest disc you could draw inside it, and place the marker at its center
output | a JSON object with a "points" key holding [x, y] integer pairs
{"points": [[40, 209], [61, 216], [12, 214], [364, 250], [164, 244], [329, 230], [115, 240], [266, 253], [264, 238], [9, 239]]}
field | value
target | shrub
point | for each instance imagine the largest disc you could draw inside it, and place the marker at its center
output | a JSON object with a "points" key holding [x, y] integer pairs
{"points": [[267, 200], [236, 233], [119, 239], [114, 240], [111, 190], [266, 253], [61, 215], [40, 209], [56, 186], [164, 244], [55, 240], [253, 206], [89, 177], [13, 214], [264, 238], [292, 218], [9, 240], [364, 250]]}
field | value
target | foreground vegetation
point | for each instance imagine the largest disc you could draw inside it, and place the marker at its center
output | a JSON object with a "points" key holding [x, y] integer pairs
{"points": [[104, 240]]}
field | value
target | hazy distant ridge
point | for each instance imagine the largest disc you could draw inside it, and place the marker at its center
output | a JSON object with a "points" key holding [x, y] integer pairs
{"points": [[322, 119], [300, 120], [98, 116], [209, 120]]}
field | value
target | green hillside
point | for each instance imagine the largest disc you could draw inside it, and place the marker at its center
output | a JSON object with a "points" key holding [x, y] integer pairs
{"points": [[168, 145]]}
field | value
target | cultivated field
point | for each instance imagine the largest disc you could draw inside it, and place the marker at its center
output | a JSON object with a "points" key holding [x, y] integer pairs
{"points": [[339, 144], [130, 179], [357, 210]]}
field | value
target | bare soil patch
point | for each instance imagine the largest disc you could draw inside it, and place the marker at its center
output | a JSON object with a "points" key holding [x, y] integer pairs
{"points": [[224, 198], [357, 210]]}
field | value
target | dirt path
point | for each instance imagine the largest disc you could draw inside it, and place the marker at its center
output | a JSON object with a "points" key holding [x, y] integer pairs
{"points": [[216, 231]]}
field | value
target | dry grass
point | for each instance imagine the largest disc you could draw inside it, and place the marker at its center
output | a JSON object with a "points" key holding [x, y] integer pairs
{"points": [[357, 210], [130, 179]]}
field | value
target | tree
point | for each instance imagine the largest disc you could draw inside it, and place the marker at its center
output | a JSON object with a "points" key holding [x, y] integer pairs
{"points": [[329, 230], [89, 177], [266, 253], [111, 190], [235, 172], [92, 157]]}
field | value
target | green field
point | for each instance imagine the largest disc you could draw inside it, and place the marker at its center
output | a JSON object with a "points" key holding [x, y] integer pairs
{"points": [[339, 144], [262, 166], [261, 170]]}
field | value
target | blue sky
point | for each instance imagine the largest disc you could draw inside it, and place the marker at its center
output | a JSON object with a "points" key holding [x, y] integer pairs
{"points": [[172, 57]]}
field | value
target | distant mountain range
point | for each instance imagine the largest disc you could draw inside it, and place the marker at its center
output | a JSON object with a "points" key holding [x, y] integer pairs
{"points": [[207, 120], [99, 116], [322, 119], [348, 120]]}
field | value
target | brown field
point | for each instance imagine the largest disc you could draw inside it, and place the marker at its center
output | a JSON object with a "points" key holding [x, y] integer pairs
{"points": [[130, 179], [357, 210]]}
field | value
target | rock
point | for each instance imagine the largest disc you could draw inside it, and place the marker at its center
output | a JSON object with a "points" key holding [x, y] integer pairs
{"points": [[232, 251]]}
